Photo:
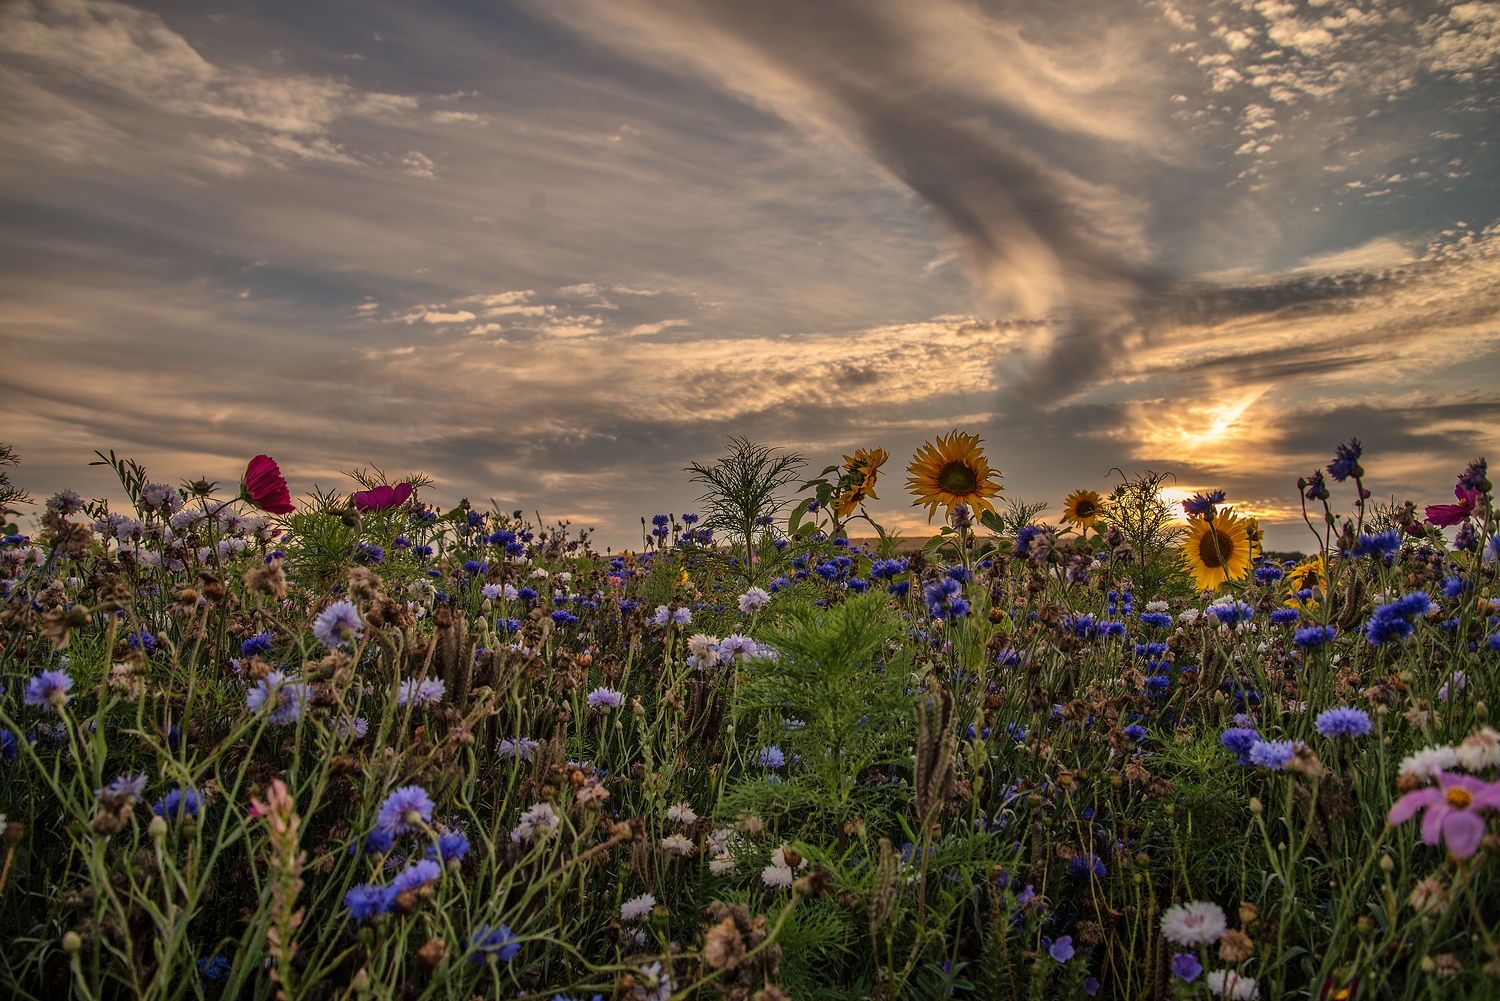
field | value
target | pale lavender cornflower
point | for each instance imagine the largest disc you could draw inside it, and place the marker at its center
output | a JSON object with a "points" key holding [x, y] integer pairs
{"points": [[537, 824], [1273, 754], [332, 621], [663, 615], [416, 876], [605, 698], [405, 811], [507, 748], [160, 497], [49, 690], [682, 617], [352, 726], [492, 591], [124, 789], [738, 648], [753, 600], [285, 697], [425, 693]]}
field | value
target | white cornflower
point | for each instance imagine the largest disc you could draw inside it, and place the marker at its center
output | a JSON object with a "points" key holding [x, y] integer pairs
{"points": [[540, 574], [682, 813], [721, 864], [1157, 606], [1229, 984], [637, 908], [775, 876], [1480, 750], [1189, 617], [1426, 763], [1197, 923], [676, 844], [536, 824], [720, 840]]}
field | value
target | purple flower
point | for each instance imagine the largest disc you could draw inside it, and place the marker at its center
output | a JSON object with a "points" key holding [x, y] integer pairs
{"points": [[1185, 967], [178, 805], [402, 810], [49, 690], [426, 693], [1062, 950], [1343, 722], [368, 900], [1285, 616], [257, 644], [1317, 487], [333, 621], [498, 946], [771, 757], [1202, 505], [124, 789], [1091, 986], [1346, 461]]}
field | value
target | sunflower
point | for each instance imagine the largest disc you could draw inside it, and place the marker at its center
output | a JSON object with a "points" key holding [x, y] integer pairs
{"points": [[1217, 551], [1083, 508], [953, 471], [1309, 576], [858, 480], [1254, 533]]}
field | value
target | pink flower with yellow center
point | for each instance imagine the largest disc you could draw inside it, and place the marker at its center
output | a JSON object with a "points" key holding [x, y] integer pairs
{"points": [[1450, 812]]}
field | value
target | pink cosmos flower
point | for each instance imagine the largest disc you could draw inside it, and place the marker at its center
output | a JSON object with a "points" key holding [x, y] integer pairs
{"points": [[265, 487], [383, 498], [1452, 811], [1445, 515]]}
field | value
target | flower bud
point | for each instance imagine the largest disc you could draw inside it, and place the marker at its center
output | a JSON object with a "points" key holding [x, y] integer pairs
{"points": [[1428, 966], [71, 943], [1255, 806], [14, 832], [1366, 925], [1481, 711], [1387, 864], [157, 828], [361, 982]]}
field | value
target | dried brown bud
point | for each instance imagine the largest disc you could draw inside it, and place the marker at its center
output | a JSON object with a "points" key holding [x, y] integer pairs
{"points": [[433, 953]]}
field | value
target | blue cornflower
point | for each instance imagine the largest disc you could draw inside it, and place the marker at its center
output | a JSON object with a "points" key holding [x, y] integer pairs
{"points": [[369, 554], [1343, 722], [660, 520], [142, 640], [451, 847], [1269, 574], [1274, 754], [377, 842], [423, 551], [1185, 967], [416, 876], [369, 900], [1232, 612], [178, 805], [1202, 505], [1346, 461], [258, 644], [49, 690], [1492, 549], [124, 789], [1240, 740], [1391, 622], [1384, 544], [1312, 636], [476, 568], [1136, 733], [1086, 864], [1316, 488], [527, 594], [1285, 616], [402, 810], [497, 946], [216, 968], [771, 757], [564, 618], [1157, 620], [1455, 586], [9, 749]]}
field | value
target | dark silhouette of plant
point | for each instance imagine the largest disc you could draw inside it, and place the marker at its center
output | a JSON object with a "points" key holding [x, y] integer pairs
{"points": [[742, 489]]}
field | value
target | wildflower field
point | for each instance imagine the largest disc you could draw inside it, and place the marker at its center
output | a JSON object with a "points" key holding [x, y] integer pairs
{"points": [[359, 747]]}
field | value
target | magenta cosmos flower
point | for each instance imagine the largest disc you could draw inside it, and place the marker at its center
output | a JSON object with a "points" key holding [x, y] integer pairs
{"points": [[1447, 515], [1452, 811], [265, 487], [383, 498]]}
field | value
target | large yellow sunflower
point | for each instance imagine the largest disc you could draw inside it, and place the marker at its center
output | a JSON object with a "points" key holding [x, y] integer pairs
{"points": [[1217, 551], [1310, 576], [953, 471], [1083, 508], [860, 470]]}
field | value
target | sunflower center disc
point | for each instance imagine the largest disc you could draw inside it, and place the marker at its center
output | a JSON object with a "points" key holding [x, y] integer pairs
{"points": [[1214, 549], [957, 478], [1085, 509]]}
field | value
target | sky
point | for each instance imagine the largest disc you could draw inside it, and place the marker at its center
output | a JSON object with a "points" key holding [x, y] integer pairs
{"points": [[549, 253]]}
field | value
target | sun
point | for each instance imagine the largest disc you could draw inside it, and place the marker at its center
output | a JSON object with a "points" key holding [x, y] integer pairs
{"points": [[1217, 551], [952, 471]]}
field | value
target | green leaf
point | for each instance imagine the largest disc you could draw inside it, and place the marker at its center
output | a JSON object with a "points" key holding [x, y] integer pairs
{"points": [[992, 521]]}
